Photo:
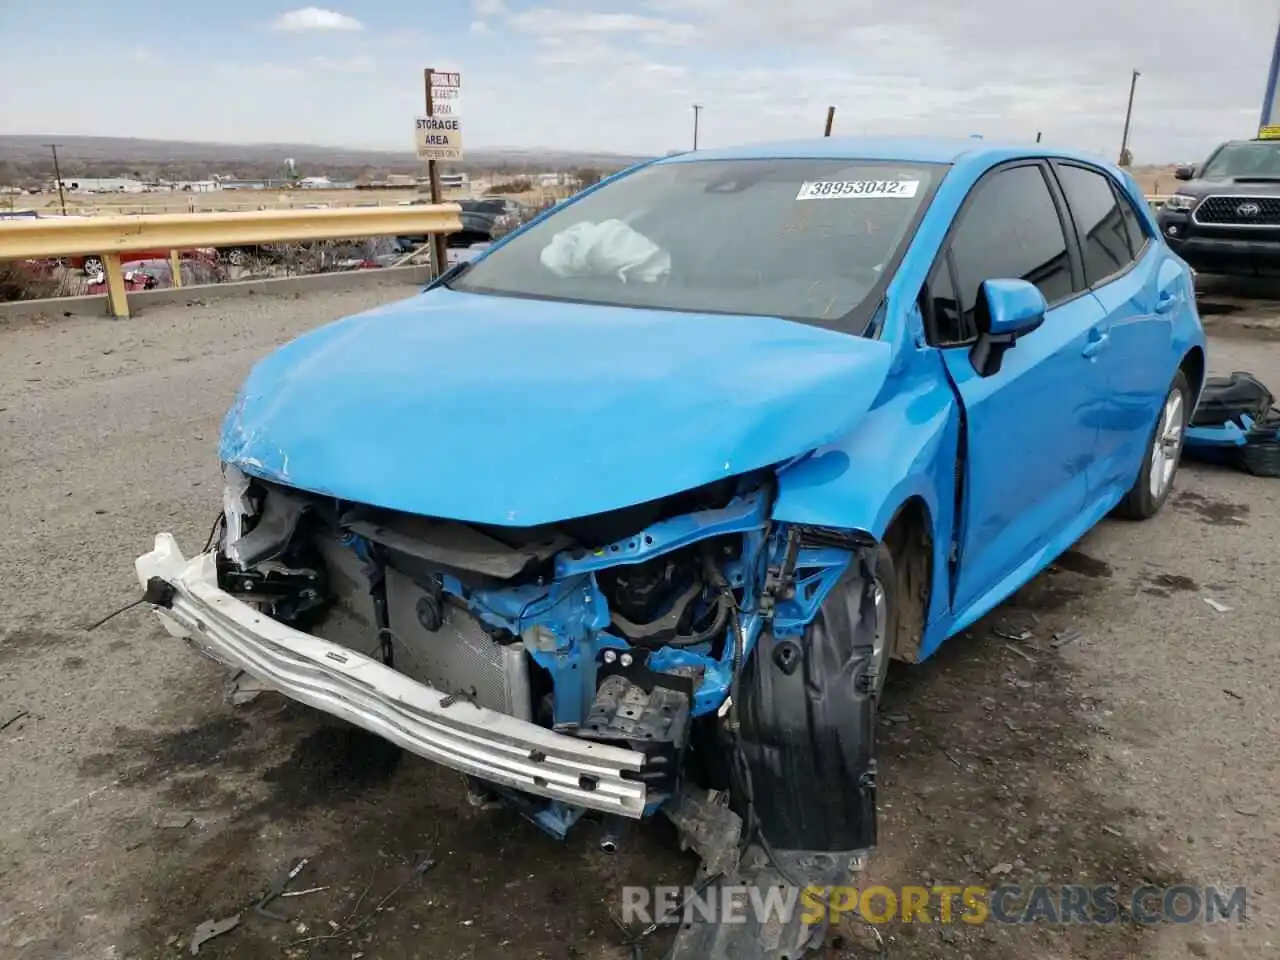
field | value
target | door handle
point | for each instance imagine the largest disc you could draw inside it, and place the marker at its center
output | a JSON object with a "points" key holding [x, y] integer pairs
{"points": [[1095, 346], [1168, 301]]}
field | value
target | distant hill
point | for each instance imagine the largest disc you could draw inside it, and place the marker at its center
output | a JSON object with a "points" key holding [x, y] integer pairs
{"points": [[27, 157]]}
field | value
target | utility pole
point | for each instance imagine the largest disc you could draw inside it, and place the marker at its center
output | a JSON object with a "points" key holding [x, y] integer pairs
{"points": [[697, 108], [1128, 115], [831, 116], [1038, 133], [440, 244], [57, 172], [1270, 107]]}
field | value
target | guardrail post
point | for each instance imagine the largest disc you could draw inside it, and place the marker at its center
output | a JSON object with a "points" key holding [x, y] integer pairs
{"points": [[116, 294], [175, 268]]}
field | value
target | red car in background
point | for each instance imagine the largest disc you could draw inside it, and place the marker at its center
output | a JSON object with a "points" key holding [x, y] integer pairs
{"points": [[92, 264], [157, 274]]}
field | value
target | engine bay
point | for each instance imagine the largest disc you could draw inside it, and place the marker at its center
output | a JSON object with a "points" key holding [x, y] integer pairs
{"points": [[630, 628]]}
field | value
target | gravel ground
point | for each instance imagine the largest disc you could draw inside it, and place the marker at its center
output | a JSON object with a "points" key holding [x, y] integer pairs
{"points": [[137, 803]]}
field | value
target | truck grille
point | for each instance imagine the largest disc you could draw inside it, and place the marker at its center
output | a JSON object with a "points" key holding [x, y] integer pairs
{"points": [[1238, 211]]}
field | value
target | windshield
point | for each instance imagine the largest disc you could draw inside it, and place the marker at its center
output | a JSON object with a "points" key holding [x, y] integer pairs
{"points": [[1245, 160], [807, 240]]}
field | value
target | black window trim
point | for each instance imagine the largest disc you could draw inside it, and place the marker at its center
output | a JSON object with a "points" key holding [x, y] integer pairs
{"points": [[1147, 238], [1118, 194], [1064, 221], [944, 263]]}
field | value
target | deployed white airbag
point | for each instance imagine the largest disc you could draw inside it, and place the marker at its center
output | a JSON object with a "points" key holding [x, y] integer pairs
{"points": [[606, 249]]}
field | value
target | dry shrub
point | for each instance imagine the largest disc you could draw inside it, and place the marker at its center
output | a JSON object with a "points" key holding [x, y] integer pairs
{"points": [[18, 281]]}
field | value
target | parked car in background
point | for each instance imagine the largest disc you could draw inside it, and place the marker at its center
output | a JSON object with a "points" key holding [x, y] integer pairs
{"points": [[628, 514], [92, 264], [155, 274], [134, 281], [484, 219], [364, 254], [263, 253], [1225, 218]]}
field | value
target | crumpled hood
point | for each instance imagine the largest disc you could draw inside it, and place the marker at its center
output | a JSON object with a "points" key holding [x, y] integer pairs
{"points": [[519, 412]]}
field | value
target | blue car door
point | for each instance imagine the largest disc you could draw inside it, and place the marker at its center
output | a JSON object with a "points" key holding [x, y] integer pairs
{"points": [[1139, 286], [1030, 433]]}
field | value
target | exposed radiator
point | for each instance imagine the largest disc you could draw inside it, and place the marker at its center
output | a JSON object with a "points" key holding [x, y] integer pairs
{"points": [[459, 657]]}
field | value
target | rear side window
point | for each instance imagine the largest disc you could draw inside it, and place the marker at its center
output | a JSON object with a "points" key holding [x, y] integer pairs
{"points": [[1104, 239], [1010, 230], [1133, 226]]}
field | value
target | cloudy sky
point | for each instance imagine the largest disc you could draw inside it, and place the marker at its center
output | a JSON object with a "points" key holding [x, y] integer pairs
{"points": [[622, 74]]}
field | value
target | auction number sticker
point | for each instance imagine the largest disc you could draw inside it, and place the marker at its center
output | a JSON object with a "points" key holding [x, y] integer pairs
{"points": [[851, 189]]}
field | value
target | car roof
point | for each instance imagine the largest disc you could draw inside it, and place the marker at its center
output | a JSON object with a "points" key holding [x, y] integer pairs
{"points": [[904, 149]]}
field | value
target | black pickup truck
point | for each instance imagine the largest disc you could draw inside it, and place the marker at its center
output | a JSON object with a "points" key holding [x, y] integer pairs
{"points": [[1225, 218], [484, 219]]}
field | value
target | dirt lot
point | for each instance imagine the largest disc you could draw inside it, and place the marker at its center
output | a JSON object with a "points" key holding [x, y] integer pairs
{"points": [[137, 804]]}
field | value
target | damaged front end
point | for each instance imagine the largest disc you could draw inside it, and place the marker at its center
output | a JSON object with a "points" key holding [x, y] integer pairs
{"points": [[686, 655]]}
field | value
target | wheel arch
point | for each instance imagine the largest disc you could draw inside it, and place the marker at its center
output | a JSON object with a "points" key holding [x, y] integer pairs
{"points": [[912, 542], [1193, 365]]}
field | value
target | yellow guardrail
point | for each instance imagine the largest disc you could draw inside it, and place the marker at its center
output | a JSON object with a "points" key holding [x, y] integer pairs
{"points": [[108, 237]]}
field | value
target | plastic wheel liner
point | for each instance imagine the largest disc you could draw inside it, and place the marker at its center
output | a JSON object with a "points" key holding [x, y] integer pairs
{"points": [[805, 783]]}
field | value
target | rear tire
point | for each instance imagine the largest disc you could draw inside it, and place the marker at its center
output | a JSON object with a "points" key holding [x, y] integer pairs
{"points": [[1160, 461]]}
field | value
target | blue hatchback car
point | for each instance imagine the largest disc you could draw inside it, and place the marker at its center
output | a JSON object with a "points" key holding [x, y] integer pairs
{"points": [[630, 513]]}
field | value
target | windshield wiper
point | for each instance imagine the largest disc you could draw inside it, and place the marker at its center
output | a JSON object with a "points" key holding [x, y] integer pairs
{"points": [[453, 273]]}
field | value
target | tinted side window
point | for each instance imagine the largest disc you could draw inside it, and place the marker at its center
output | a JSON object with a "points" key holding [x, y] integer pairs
{"points": [[1010, 230], [1133, 224], [1104, 241]]}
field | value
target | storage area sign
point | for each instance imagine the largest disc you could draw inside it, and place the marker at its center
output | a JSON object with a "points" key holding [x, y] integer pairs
{"points": [[438, 138]]}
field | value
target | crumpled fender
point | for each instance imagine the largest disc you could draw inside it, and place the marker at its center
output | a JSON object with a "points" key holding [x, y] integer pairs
{"points": [[904, 446]]}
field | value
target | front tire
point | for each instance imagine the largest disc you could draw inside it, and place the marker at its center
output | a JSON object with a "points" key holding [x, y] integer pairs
{"points": [[1164, 447], [887, 595]]}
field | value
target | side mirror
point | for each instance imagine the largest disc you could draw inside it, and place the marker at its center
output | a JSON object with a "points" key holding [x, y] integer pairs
{"points": [[1006, 310], [1185, 172]]}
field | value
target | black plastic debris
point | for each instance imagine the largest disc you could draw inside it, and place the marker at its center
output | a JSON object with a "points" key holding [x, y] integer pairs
{"points": [[1236, 423]]}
